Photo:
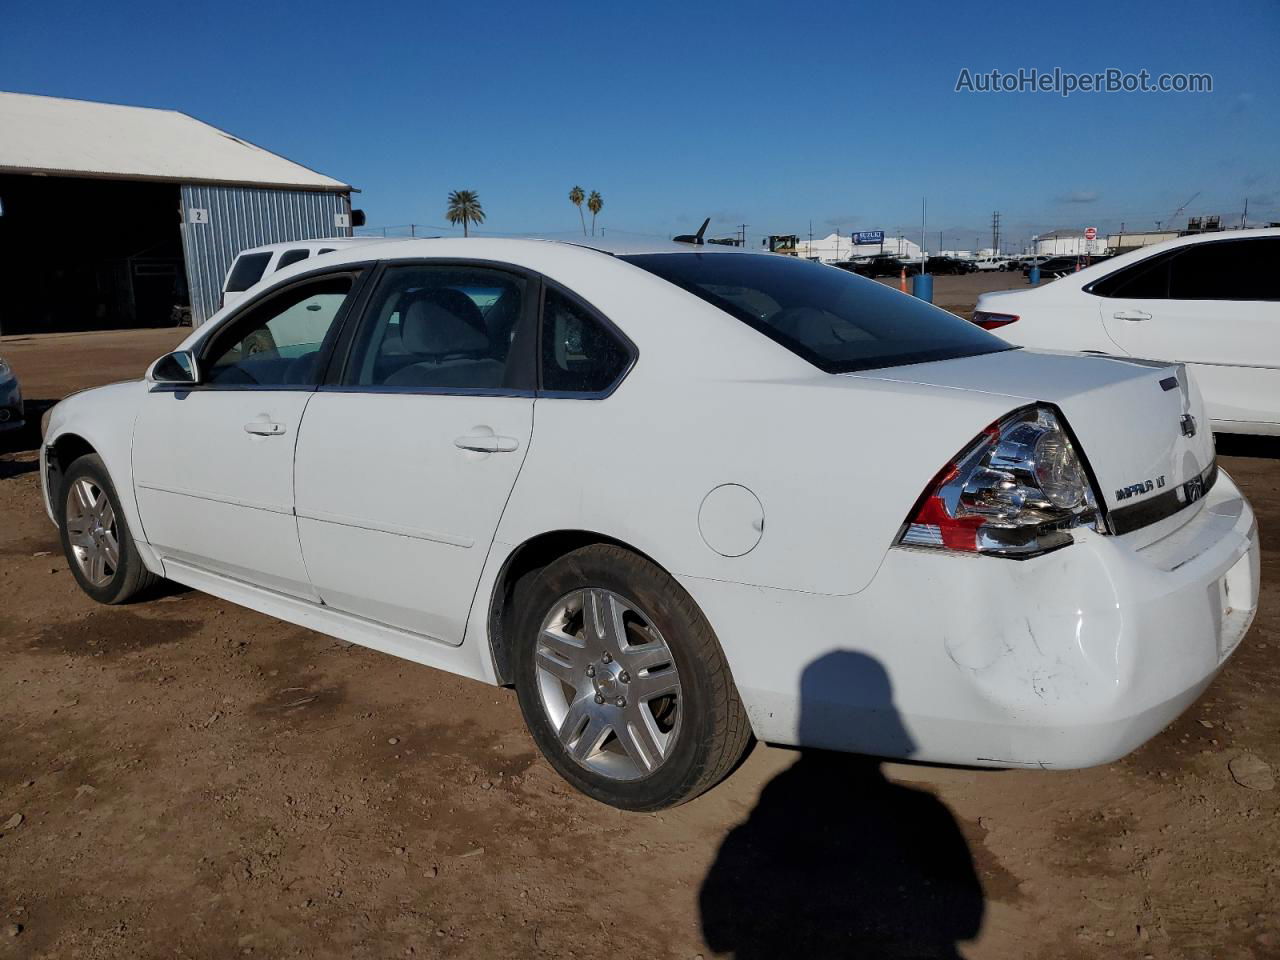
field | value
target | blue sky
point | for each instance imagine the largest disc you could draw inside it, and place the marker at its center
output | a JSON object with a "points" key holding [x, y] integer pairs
{"points": [[772, 114]]}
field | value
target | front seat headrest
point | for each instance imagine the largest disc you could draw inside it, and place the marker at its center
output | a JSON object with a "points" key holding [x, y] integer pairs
{"points": [[443, 321]]}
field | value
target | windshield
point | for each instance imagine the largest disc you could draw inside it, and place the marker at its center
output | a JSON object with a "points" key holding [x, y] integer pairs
{"points": [[836, 320]]}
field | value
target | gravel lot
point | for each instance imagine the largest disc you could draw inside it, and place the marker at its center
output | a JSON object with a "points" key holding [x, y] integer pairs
{"points": [[184, 778]]}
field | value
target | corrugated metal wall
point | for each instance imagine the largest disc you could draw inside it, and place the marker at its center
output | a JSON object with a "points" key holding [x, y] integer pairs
{"points": [[242, 217]]}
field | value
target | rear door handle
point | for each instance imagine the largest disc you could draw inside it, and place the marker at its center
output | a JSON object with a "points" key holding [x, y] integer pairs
{"points": [[264, 428], [1131, 315], [488, 444]]}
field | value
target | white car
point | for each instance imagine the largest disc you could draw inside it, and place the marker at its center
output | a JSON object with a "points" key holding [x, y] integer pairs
{"points": [[1211, 301], [679, 496], [252, 265]]}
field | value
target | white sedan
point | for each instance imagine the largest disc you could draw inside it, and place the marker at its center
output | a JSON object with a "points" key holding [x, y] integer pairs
{"points": [[680, 496], [1211, 301]]}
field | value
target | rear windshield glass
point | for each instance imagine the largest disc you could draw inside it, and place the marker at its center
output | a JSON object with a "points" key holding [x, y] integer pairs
{"points": [[247, 271], [836, 320]]}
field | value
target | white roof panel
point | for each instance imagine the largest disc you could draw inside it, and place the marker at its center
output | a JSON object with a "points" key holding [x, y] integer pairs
{"points": [[83, 138]]}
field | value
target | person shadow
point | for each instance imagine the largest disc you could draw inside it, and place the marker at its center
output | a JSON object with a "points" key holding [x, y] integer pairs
{"points": [[835, 860]]}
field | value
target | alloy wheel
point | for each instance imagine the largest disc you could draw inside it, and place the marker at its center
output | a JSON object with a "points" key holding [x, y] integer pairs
{"points": [[608, 684], [92, 531]]}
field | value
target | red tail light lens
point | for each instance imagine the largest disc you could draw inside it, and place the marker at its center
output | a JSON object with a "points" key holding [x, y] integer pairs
{"points": [[989, 321], [1017, 491]]}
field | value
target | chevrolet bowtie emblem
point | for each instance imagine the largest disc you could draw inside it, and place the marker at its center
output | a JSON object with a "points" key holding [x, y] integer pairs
{"points": [[1188, 425]]}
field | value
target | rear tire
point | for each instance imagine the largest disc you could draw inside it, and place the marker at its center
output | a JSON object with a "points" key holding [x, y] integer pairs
{"points": [[638, 711], [95, 535]]}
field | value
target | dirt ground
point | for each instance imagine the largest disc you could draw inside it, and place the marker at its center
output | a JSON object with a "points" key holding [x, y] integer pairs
{"points": [[184, 778]]}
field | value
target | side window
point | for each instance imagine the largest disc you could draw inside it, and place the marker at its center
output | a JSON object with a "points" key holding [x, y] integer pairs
{"points": [[247, 271], [277, 343], [579, 354], [1227, 270], [443, 328], [292, 256], [1145, 280]]}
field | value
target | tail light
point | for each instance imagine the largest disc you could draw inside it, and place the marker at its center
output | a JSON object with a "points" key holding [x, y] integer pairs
{"points": [[989, 321], [1016, 491]]}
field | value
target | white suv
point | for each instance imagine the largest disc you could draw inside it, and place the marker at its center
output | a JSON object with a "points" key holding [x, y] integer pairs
{"points": [[258, 262]]}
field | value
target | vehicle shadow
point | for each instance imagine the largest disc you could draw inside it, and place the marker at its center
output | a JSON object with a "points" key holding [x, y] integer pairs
{"points": [[837, 861], [1243, 445]]}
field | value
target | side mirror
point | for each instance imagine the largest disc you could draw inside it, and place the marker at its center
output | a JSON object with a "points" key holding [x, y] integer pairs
{"points": [[177, 367]]}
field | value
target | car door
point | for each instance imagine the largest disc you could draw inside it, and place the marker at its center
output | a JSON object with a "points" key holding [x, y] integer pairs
{"points": [[405, 462], [1214, 305], [213, 463]]}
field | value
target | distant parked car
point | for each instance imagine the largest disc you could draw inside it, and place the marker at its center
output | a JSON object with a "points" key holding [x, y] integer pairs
{"points": [[984, 264], [881, 265], [939, 266], [251, 265], [1211, 301], [11, 410], [1053, 267]]}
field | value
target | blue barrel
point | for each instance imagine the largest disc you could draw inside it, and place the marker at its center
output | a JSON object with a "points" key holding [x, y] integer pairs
{"points": [[922, 287], [1034, 275]]}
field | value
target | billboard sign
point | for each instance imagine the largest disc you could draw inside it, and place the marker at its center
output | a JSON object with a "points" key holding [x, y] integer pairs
{"points": [[869, 236]]}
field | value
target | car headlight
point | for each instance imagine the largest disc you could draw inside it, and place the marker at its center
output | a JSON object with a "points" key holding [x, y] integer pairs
{"points": [[1016, 490]]}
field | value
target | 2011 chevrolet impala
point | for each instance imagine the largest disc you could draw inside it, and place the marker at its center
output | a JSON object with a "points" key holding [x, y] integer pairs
{"points": [[661, 489]]}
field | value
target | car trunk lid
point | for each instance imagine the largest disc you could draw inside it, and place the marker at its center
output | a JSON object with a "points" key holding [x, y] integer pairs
{"points": [[1139, 424]]}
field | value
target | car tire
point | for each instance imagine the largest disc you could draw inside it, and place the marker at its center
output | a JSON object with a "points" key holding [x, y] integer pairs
{"points": [[95, 535], [649, 752]]}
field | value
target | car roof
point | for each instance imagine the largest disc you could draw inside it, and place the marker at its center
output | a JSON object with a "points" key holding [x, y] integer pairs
{"points": [[614, 245]]}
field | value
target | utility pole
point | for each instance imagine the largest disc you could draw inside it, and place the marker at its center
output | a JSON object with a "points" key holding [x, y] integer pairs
{"points": [[995, 233], [743, 233], [1244, 217]]}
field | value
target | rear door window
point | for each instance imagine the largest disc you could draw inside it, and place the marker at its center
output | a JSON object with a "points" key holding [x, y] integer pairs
{"points": [[443, 328], [247, 271], [1227, 270], [836, 320]]}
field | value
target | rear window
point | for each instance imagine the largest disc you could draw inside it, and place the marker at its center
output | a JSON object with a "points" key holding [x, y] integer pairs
{"points": [[836, 320], [247, 271]]}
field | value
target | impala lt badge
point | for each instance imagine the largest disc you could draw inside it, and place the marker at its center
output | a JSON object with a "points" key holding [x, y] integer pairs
{"points": [[1188, 425], [1138, 489]]}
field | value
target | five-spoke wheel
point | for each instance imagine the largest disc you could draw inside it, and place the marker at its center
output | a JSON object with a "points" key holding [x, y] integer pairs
{"points": [[622, 682], [95, 534], [92, 531], [608, 683]]}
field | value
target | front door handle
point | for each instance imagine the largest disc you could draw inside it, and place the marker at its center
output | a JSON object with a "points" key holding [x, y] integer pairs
{"points": [[488, 443], [264, 428], [1131, 315]]}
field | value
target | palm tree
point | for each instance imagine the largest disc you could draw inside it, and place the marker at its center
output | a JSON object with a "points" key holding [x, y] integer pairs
{"points": [[464, 208], [576, 196], [595, 203]]}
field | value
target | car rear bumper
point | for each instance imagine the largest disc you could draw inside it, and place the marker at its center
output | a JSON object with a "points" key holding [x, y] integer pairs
{"points": [[1067, 660]]}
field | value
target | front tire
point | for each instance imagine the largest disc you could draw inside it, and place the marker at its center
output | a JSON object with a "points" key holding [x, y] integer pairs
{"points": [[95, 535], [622, 682]]}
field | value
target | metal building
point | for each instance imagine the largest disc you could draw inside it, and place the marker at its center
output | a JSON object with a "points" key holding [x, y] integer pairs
{"points": [[118, 216]]}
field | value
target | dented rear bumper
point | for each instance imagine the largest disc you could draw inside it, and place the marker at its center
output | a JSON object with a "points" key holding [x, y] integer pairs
{"points": [[1067, 660]]}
